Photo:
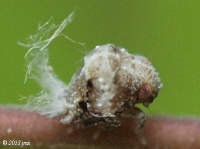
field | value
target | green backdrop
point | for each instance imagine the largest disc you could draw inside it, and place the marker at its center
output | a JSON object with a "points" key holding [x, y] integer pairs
{"points": [[167, 32]]}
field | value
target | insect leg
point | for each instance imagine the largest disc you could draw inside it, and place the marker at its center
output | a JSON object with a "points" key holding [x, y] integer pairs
{"points": [[93, 121], [140, 122], [106, 122], [112, 122], [139, 115]]}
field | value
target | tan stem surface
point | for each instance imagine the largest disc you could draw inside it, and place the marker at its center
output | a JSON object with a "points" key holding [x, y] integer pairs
{"points": [[160, 132]]}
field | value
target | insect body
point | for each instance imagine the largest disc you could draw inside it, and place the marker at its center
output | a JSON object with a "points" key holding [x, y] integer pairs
{"points": [[110, 83]]}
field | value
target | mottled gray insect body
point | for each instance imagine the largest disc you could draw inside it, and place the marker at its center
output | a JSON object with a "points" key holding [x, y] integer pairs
{"points": [[110, 83]]}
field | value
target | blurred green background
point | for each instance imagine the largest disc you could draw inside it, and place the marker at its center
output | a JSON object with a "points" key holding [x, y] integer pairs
{"points": [[167, 32]]}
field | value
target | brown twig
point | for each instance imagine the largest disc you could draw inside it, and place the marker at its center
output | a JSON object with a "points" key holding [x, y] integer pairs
{"points": [[160, 132]]}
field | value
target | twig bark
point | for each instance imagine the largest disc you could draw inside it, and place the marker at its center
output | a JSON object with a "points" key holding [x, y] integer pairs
{"points": [[160, 132]]}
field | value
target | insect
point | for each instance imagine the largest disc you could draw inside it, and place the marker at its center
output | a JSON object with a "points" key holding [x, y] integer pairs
{"points": [[110, 83]]}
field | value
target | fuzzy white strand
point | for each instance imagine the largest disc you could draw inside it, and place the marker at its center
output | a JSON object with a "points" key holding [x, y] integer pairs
{"points": [[51, 100]]}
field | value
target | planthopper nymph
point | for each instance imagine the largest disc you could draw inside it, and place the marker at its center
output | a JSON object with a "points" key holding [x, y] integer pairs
{"points": [[109, 84]]}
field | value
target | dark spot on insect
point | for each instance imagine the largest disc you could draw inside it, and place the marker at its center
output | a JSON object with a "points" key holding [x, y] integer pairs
{"points": [[89, 85], [115, 50], [83, 106]]}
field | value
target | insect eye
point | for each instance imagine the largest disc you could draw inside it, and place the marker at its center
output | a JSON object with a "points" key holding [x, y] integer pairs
{"points": [[145, 91]]}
